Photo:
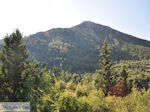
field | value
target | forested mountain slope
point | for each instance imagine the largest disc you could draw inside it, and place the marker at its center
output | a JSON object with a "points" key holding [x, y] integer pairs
{"points": [[76, 49]]}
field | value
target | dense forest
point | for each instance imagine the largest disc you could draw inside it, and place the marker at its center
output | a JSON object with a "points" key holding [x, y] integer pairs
{"points": [[62, 47], [115, 86]]}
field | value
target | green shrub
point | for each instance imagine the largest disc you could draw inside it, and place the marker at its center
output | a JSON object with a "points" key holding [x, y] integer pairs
{"points": [[61, 85], [97, 101], [68, 103], [70, 86], [81, 90]]}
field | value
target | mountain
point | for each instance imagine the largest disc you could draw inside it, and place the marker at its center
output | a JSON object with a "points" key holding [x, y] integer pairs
{"points": [[76, 49]]}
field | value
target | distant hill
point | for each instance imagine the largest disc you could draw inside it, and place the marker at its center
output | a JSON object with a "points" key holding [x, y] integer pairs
{"points": [[76, 49]]}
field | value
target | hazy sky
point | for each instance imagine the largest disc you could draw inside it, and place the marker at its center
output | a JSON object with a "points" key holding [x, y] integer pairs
{"points": [[31, 16]]}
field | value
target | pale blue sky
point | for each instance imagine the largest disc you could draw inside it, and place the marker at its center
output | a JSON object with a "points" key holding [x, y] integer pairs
{"points": [[31, 16]]}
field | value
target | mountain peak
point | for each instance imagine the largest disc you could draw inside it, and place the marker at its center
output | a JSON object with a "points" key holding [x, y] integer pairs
{"points": [[88, 22], [92, 25], [63, 46]]}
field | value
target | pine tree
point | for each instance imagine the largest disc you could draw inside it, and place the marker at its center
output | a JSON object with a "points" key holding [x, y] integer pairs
{"points": [[14, 60], [124, 76], [106, 67]]}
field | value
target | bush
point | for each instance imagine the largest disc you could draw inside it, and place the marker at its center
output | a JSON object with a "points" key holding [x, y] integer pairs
{"points": [[97, 101], [61, 85], [68, 103], [71, 86], [81, 90], [134, 102], [85, 105]]}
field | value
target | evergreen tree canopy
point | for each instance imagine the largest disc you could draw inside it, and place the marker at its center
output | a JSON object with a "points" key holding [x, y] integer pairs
{"points": [[106, 67], [14, 60]]}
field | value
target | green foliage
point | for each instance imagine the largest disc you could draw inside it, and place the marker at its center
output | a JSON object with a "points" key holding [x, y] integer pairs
{"points": [[81, 90], [106, 68], [13, 57], [96, 99], [61, 85], [134, 102], [71, 86], [41, 84], [60, 91], [124, 75], [68, 103], [84, 105]]}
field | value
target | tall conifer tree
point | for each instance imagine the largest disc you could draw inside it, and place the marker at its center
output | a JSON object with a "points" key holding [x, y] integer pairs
{"points": [[106, 67], [14, 59]]}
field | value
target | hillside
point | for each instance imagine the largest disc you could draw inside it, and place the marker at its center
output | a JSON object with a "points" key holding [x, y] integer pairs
{"points": [[76, 49]]}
